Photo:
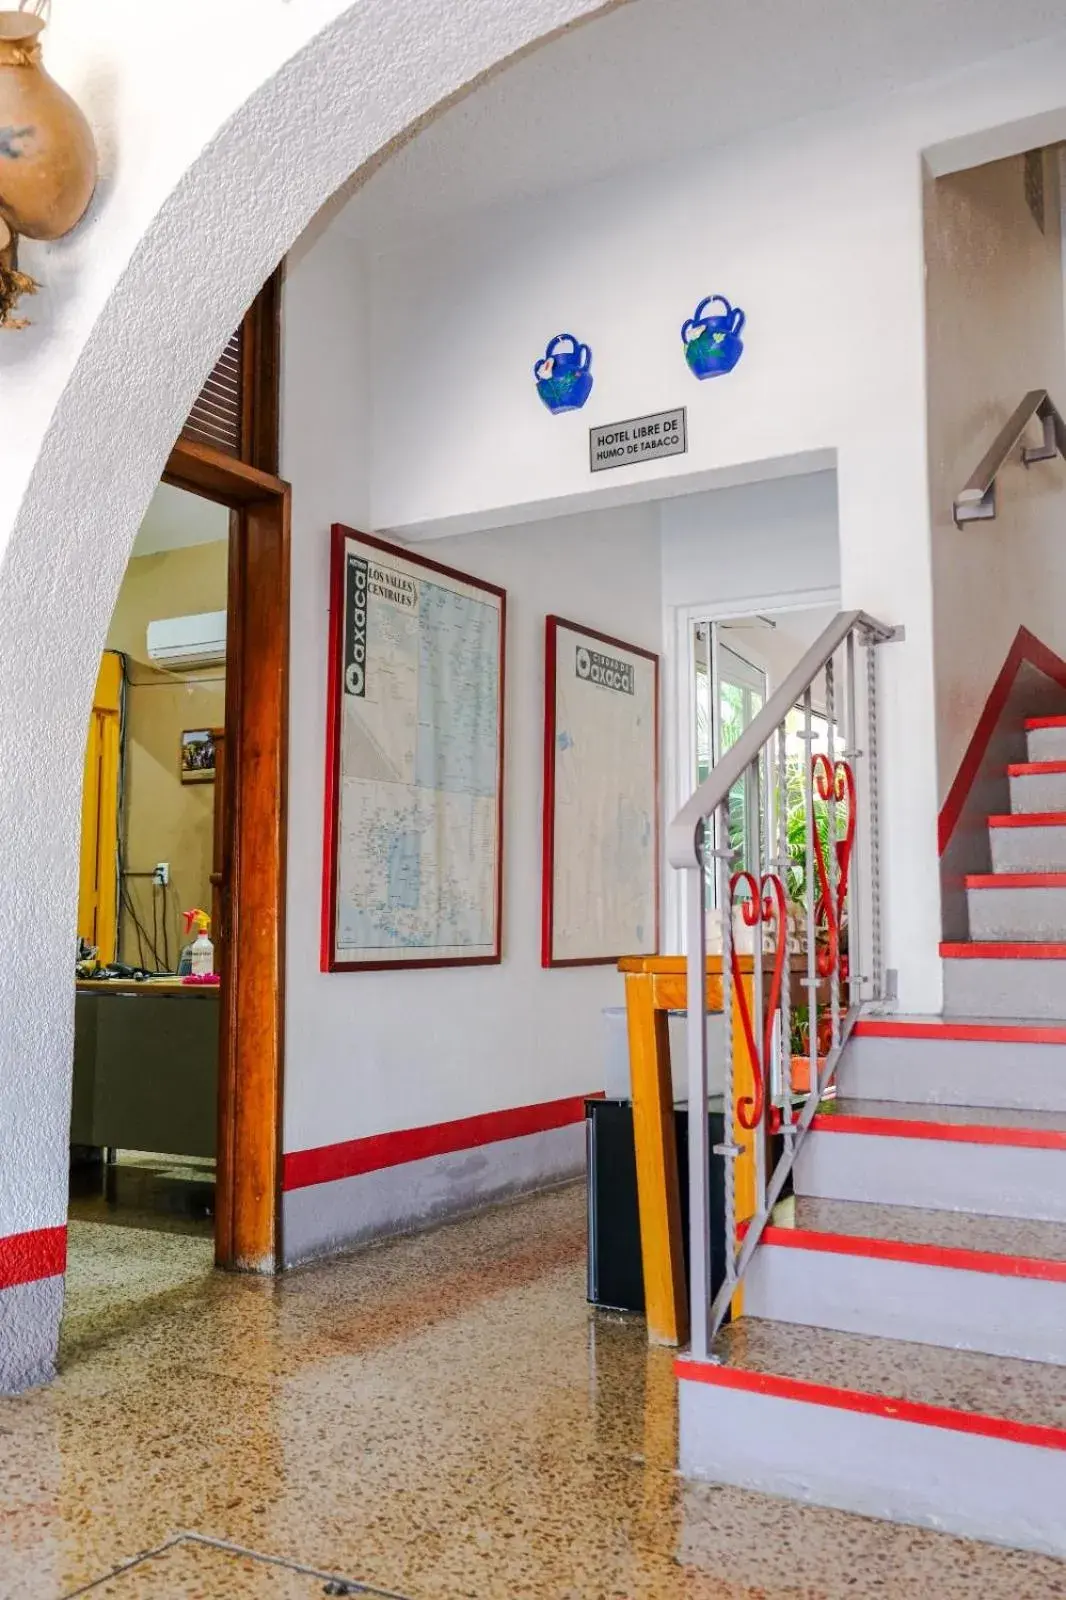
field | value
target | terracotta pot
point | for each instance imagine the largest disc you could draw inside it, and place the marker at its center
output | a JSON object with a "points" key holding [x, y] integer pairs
{"points": [[47, 155], [801, 1073]]}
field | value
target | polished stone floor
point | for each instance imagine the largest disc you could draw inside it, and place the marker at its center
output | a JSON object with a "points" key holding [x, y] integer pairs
{"points": [[138, 1189], [439, 1417]]}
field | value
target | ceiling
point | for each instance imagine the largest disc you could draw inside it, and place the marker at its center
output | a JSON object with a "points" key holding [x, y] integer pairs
{"points": [[176, 519], [660, 77]]}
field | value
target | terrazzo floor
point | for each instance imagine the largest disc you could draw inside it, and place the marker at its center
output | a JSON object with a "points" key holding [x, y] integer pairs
{"points": [[440, 1417]]}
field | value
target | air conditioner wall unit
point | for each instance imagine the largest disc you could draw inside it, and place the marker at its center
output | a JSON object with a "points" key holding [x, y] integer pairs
{"points": [[178, 644]]}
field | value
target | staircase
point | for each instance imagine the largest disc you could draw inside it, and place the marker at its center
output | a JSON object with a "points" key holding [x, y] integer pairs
{"points": [[1011, 964], [902, 1351]]}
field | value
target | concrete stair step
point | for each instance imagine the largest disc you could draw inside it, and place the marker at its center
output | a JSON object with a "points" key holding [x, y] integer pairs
{"points": [[1019, 1063], [1046, 738], [988, 1161], [997, 978], [967, 1442], [1037, 786], [992, 1284], [1033, 842], [1019, 906]]}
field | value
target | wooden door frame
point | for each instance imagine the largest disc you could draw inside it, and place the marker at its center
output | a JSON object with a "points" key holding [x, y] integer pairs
{"points": [[251, 1048]]}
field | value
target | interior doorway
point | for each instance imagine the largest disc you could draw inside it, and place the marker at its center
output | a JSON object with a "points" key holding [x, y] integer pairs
{"points": [[177, 1078], [730, 691], [144, 1116], [731, 664], [176, 1110]]}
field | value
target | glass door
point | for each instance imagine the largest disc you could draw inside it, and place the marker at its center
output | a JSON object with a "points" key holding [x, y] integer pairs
{"points": [[730, 691], [741, 696]]}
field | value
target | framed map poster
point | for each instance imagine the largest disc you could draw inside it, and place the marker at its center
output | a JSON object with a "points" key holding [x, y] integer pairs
{"points": [[601, 798], [414, 793]]}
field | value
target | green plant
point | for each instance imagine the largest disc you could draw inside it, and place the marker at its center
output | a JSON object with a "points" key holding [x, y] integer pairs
{"points": [[796, 830], [800, 1029]]}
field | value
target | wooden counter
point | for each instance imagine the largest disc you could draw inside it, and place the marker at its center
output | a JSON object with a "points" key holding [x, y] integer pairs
{"points": [[156, 986], [146, 1066]]}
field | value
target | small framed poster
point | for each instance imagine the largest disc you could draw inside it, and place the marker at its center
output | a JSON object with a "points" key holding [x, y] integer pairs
{"points": [[198, 755], [414, 791], [601, 798]]}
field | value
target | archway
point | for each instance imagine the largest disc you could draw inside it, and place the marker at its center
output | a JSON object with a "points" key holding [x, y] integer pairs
{"points": [[219, 233]]}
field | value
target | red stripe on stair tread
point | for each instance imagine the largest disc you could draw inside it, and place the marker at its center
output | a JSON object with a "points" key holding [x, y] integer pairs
{"points": [[950, 1132], [28, 1257], [1033, 769], [1001, 950], [927, 1255], [1045, 722], [871, 1405], [1029, 819], [1016, 880], [974, 1032]]}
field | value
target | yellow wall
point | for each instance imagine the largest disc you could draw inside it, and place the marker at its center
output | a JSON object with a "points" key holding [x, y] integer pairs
{"points": [[166, 820]]}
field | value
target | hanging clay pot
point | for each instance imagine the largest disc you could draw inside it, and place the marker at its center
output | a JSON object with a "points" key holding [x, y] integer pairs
{"points": [[47, 155]]}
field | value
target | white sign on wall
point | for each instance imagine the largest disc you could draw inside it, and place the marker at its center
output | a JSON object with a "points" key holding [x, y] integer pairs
{"points": [[627, 444]]}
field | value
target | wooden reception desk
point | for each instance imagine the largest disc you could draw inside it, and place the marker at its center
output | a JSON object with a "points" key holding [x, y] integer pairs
{"points": [[146, 1066]]}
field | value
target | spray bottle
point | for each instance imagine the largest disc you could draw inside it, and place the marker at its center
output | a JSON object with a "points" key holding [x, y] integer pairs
{"points": [[202, 951]]}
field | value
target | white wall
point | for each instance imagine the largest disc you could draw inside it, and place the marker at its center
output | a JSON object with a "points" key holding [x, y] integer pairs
{"points": [[372, 1052], [818, 238], [817, 232], [433, 1046], [995, 328], [729, 547]]}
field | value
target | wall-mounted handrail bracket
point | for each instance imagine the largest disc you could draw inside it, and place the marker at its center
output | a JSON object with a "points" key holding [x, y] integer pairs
{"points": [[977, 501]]}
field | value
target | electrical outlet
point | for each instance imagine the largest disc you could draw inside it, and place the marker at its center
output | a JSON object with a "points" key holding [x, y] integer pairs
{"points": [[161, 875]]}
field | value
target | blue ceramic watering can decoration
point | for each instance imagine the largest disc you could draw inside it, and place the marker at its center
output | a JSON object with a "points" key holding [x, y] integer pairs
{"points": [[712, 342], [564, 374]]}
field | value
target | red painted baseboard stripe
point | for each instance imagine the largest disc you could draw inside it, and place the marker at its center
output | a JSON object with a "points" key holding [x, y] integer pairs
{"points": [[303, 1168], [1035, 769], [972, 1032], [871, 1405], [28, 1257], [947, 1132], [1001, 950], [1028, 819], [1016, 880], [1044, 722], [925, 1255]]}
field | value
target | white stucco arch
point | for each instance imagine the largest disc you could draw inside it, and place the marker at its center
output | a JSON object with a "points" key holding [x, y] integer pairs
{"points": [[345, 95]]}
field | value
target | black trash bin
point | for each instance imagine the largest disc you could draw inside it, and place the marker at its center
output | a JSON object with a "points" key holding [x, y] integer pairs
{"points": [[615, 1274]]}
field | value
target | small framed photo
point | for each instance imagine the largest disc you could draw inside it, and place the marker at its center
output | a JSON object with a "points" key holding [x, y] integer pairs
{"points": [[198, 756]]}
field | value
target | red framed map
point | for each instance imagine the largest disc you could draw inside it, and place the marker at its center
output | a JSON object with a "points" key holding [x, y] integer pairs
{"points": [[601, 798], [414, 782]]}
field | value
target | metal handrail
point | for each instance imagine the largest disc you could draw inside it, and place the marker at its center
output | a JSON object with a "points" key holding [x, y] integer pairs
{"points": [[834, 897], [683, 834], [977, 501]]}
